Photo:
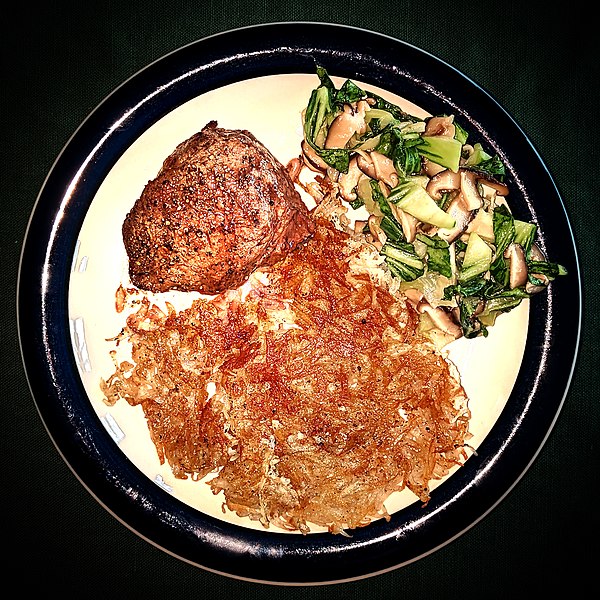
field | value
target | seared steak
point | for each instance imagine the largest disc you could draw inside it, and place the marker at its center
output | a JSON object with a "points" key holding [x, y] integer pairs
{"points": [[220, 207]]}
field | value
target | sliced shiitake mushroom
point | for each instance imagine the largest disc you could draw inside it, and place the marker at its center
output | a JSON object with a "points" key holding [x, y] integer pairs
{"points": [[378, 166], [431, 168], [462, 216], [379, 237], [500, 188], [517, 265], [464, 185], [531, 288], [441, 126], [441, 318], [311, 158], [407, 222], [346, 124], [442, 183], [348, 181], [465, 180], [468, 189]]}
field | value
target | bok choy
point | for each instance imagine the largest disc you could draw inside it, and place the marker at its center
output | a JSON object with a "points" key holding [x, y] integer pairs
{"points": [[437, 202]]}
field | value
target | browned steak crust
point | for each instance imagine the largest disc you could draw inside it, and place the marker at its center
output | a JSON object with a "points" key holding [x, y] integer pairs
{"points": [[220, 207]]}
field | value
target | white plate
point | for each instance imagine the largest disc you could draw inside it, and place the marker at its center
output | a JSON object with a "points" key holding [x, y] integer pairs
{"points": [[273, 114]]}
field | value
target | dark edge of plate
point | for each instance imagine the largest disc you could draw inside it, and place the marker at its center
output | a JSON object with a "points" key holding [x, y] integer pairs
{"points": [[42, 303]]}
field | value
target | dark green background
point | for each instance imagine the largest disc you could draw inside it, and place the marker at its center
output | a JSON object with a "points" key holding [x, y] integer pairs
{"points": [[60, 60]]}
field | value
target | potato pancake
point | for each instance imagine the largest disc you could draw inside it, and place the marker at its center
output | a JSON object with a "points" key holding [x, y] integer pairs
{"points": [[307, 397]]}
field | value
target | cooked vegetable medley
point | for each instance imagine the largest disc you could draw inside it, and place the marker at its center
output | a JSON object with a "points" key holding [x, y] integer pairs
{"points": [[436, 206]]}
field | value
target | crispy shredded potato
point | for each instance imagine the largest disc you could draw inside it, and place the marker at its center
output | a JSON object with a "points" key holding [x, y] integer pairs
{"points": [[307, 401]]}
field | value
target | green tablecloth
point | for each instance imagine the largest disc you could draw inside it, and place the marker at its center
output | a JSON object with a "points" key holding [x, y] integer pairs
{"points": [[62, 59]]}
